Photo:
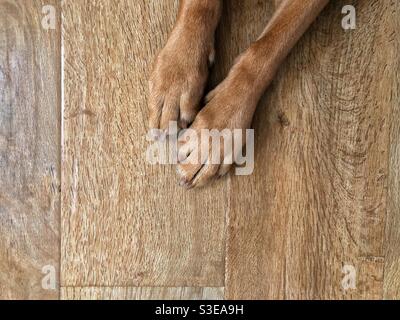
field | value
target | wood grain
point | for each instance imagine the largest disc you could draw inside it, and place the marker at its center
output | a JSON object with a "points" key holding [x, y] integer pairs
{"points": [[392, 239], [29, 149], [144, 293], [124, 221], [318, 198], [324, 193]]}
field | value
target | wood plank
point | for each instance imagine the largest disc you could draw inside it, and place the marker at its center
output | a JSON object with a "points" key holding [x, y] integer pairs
{"points": [[144, 293], [124, 221], [29, 149], [392, 239], [318, 198]]}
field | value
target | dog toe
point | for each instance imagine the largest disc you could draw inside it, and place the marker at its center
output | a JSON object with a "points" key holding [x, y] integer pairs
{"points": [[205, 175]]}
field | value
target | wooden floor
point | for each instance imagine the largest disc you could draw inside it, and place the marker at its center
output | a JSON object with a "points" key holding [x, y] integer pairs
{"points": [[76, 191]]}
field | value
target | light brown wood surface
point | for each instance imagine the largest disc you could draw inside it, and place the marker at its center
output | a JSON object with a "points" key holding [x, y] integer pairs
{"points": [[126, 222], [29, 149], [392, 235], [144, 293], [324, 193], [319, 197]]}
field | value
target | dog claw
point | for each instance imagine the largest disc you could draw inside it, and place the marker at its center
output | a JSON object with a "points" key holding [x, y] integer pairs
{"points": [[186, 184], [183, 183]]}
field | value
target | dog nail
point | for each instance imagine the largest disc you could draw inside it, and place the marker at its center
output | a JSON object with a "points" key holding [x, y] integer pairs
{"points": [[186, 184], [181, 157], [182, 183], [183, 124]]}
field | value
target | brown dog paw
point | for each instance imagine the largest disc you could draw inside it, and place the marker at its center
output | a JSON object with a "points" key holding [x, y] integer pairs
{"points": [[179, 76], [226, 118]]}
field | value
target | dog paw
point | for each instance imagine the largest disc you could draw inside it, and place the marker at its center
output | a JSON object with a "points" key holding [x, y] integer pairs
{"points": [[178, 78], [225, 118]]}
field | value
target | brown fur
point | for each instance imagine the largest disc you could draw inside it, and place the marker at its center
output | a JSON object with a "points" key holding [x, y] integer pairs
{"points": [[180, 73]]}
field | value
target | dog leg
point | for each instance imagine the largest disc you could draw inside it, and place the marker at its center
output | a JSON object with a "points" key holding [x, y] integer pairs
{"points": [[180, 71], [232, 104]]}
